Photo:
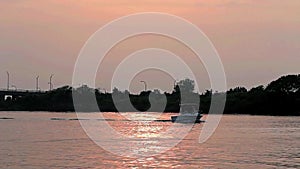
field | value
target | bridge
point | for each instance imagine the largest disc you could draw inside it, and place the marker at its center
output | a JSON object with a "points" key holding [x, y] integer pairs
{"points": [[14, 94]]}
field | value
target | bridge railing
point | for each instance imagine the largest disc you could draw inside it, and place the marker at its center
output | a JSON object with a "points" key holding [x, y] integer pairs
{"points": [[23, 90]]}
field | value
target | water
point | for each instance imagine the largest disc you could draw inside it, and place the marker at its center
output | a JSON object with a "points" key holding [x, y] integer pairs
{"points": [[32, 140]]}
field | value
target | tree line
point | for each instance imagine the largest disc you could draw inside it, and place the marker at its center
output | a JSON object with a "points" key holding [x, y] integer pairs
{"points": [[280, 97]]}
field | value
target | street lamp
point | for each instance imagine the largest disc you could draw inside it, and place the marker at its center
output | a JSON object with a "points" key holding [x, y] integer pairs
{"points": [[7, 80], [37, 83], [50, 82], [145, 84]]}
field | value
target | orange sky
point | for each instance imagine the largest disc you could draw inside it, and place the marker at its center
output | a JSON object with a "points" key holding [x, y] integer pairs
{"points": [[258, 41]]}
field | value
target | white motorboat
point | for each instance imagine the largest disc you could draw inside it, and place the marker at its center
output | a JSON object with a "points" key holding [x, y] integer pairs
{"points": [[189, 113]]}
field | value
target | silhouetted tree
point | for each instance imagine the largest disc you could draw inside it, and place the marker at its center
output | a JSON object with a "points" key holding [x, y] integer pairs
{"points": [[186, 86], [286, 84], [280, 97]]}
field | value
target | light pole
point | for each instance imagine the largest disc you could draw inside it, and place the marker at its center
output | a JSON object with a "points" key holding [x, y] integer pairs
{"points": [[7, 80], [145, 84], [37, 83], [50, 82]]}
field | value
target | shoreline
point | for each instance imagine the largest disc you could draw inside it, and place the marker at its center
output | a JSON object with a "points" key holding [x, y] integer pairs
{"points": [[73, 112]]}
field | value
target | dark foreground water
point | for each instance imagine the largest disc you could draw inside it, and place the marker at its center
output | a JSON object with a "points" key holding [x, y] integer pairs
{"points": [[33, 140]]}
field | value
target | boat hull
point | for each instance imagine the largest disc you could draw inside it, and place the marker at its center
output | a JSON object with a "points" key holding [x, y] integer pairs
{"points": [[186, 119]]}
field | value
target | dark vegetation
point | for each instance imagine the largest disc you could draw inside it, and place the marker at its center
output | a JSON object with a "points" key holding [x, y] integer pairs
{"points": [[280, 97]]}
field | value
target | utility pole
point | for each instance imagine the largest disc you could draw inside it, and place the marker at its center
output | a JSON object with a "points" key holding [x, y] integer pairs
{"points": [[50, 82], [37, 83], [7, 80], [145, 84]]}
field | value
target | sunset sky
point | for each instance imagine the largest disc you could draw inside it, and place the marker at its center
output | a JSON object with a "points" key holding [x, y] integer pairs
{"points": [[258, 41]]}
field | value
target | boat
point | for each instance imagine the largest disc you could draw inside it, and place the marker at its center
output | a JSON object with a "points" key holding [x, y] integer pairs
{"points": [[188, 114]]}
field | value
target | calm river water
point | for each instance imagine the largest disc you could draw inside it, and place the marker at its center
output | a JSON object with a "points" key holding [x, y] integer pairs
{"points": [[32, 140]]}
